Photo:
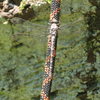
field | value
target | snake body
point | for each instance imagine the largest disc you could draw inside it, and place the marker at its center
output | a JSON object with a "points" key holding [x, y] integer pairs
{"points": [[51, 50]]}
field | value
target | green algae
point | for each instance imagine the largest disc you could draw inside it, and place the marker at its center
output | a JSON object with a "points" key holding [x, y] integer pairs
{"points": [[22, 57]]}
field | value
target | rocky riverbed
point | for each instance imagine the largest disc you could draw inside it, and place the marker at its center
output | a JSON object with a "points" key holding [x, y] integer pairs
{"points": [[18, 8]]}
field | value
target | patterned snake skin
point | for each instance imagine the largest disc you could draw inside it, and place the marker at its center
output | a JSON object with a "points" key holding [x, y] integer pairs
{"points": [[51, 51]]}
